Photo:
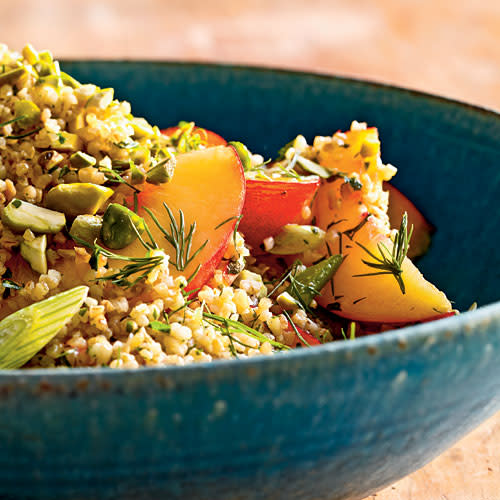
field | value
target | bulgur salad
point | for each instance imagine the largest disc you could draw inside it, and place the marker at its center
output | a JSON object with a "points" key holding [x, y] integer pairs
{"points": [[124, 245]]}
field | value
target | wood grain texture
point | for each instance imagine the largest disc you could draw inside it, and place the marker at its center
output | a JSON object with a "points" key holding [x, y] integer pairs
{"points": [[442, 46]]}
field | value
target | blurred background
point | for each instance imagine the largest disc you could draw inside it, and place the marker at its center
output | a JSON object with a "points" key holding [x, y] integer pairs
{"points": [[447, 47], [443, 46]]}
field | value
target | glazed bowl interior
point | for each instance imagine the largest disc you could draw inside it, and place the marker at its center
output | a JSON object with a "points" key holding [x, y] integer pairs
{"points": [[337, 421]]}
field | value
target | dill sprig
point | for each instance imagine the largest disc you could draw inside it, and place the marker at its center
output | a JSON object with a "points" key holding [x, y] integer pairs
{"points": [[296, 288], [24, 134], [391, 262], [237, 218], [285, 276], [113, 176], [137, 267], [177, 237], [352, 331], [140, 267], [295, 329], [230, 326], [13, 120]]}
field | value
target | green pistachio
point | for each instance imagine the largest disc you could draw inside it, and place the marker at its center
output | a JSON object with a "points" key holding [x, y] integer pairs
{"points": [[243, 153], [12, 76], [21, 215], [30, 54], [162, 172], [142, 129], [76, 122], [287, 302], [50, 159], [120, 226], [69, 80], [27, 113], [33, 252], [294, 238], [67, 142], [81, 160], [140, 155], [137, 175], [44, 69], [46, 56], [314, 168], [86, 228], [79, 198]]}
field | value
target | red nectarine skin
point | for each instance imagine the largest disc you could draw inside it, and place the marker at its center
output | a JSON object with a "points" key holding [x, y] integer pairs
{"points": [[269, 205], [211, 138], [310, 339], [208, 185]]}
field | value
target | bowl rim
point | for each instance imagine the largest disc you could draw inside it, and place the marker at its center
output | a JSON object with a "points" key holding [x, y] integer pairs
{"points": [[386, 343]]}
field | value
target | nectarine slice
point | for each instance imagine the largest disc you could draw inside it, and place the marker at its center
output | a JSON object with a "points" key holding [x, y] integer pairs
{"points": [[208, 185], [270, 205], [422, 228], [379, 297], [359, 216]]}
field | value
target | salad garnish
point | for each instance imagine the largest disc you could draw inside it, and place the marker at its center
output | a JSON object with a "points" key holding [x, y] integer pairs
{"points": [[390, 262]]}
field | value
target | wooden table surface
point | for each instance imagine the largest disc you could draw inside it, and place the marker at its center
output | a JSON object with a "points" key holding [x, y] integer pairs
{"points": [[442, 46]]}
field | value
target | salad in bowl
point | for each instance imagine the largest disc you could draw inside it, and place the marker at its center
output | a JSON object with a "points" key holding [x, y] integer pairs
{"points": [[124, 245]]}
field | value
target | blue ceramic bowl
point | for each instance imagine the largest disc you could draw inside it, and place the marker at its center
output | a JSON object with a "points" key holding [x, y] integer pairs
{"points": [[334, 422]]}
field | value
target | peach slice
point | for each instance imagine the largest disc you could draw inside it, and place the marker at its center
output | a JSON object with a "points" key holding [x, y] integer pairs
{"points": [[209, 187], [355, 215], [379, 297], [422, 228]]}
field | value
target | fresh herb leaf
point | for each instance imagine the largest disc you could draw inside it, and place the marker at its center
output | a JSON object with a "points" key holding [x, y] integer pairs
{"points": [[64, 170], [26, 134], [160, 327], [14, 120], [137, 268], [391, 262], [178, 239], [295, 329], [113, 176], [237, 327], [352, 331]]}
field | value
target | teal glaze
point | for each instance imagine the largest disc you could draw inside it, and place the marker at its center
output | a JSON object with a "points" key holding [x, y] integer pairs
{"points": [[334, 422]]}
